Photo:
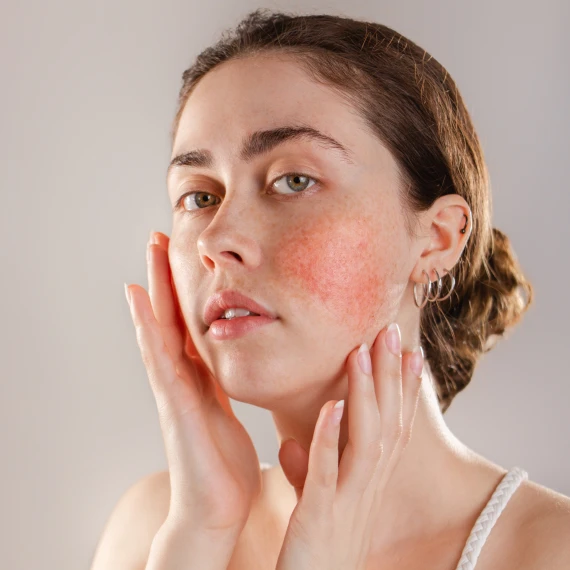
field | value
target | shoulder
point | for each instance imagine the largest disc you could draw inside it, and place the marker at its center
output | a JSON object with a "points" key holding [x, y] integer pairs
{"points": [[133, 523], [545, 528]]}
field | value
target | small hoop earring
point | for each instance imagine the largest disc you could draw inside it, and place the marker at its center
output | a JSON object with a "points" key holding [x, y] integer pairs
{"points": [[426, 293], [452, 285], [437, 293]]}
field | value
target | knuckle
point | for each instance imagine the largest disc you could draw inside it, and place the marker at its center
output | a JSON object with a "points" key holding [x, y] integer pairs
{"points": [[328, 478]]}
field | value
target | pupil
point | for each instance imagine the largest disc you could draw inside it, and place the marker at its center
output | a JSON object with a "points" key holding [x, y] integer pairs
{"points": [[297, 180]]}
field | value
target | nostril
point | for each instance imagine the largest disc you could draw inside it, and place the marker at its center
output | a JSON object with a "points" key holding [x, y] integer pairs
{"points": [[233, 254]]}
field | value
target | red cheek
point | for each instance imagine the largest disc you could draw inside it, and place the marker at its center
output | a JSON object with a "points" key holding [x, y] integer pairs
{"points": [[337, 263]]}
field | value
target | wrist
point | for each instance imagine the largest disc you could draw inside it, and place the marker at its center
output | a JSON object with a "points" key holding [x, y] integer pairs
{"points": [[178, 546]]}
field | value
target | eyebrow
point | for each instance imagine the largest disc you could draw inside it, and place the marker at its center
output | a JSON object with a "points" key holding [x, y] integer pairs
{"points": [[262, 142]]}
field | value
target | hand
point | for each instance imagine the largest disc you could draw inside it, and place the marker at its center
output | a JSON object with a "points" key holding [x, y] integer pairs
{"points": [[330, 527], [213, 466]]}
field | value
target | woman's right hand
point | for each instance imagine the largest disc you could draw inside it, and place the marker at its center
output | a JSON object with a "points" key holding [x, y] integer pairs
{"points": [[213, 466]]}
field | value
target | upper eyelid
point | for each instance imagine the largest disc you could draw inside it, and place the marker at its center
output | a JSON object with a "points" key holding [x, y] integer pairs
{"points": [[278, 177]]}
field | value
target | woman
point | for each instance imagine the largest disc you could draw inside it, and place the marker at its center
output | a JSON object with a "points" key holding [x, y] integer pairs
{"points": [[327, 178]]}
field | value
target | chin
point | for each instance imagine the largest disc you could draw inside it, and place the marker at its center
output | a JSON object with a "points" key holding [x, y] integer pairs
{"points": [[274, 384], [245, 378]]}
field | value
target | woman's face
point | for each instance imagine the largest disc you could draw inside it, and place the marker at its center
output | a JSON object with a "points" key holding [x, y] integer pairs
{"points": [[326, 251]]}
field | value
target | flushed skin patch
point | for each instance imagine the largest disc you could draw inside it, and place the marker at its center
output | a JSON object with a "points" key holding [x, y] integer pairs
{"points": [[337, 262]]}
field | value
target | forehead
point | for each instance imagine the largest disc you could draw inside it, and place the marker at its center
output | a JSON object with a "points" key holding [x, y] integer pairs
{"points": [[256, 93]]}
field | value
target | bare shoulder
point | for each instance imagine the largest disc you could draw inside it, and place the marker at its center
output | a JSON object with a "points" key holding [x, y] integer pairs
{"points": [[545, 527], [128, 534]]}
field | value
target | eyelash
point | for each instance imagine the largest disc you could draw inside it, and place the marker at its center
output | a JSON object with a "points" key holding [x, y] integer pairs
{"points": [[295, 196]]}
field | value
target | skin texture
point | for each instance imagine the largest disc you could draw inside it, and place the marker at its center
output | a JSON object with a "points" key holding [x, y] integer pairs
{"points": [[334, 262]]}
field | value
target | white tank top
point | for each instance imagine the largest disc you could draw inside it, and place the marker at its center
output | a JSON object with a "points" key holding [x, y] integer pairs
{"points": [[488, 517]]}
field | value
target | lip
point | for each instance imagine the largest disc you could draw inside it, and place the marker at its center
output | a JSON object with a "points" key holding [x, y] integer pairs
{"points": [[224, 329], [219, 302]]}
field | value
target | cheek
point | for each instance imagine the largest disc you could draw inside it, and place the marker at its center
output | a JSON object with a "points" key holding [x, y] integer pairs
{"points": [[340, 265]]}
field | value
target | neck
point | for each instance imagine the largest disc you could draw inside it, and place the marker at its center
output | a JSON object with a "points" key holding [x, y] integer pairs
{"points": [[438, 486]]}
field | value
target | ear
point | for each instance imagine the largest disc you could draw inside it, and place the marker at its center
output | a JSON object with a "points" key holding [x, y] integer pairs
{"points": [[442, 225]]}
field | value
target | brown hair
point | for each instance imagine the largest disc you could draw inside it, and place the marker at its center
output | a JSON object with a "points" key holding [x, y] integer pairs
{"points": [[412, 104]]}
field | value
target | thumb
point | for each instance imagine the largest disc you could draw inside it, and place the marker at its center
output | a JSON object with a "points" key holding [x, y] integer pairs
{"points": [[294, 461]]}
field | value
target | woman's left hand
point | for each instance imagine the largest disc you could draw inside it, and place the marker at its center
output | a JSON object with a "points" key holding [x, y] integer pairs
{"points": [[330, 527]]}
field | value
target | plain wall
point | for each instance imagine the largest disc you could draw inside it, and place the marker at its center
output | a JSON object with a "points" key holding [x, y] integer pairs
{"points": [[88, 94]]}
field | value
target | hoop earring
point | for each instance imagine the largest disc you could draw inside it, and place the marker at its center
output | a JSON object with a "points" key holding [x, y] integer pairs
{"points": [[452, 285], [426, 293], [437, 293]]}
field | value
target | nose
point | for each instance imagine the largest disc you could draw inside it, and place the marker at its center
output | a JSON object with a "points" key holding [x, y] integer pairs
{"points": [[230, 239]]}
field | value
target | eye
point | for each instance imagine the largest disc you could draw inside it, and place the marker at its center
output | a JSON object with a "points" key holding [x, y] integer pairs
{"points": [[295, 181], [193, 200]]}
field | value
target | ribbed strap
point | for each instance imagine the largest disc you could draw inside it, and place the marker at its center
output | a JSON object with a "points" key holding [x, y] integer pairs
{"points": [[489, 516]]}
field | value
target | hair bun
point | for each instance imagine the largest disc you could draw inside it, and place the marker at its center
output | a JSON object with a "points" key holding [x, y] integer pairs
{"points": [[489, 300]]}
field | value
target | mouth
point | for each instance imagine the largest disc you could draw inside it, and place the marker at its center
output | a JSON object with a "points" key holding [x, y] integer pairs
{"points": [[229, 305]]}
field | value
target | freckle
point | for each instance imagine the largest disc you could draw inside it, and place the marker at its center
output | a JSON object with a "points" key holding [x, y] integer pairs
{"points": [[336, 262]]}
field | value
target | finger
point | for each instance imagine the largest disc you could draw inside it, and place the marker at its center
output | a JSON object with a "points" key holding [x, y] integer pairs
{"points": [[162, 299], [322, 475], [166, 308], [387, 371], [169, 315], [163, 241], [364, 444], [412, 368], [161, 371]]}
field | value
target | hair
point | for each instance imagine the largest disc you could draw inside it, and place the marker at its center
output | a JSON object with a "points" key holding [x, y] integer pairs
{"points": [[413, 106]]}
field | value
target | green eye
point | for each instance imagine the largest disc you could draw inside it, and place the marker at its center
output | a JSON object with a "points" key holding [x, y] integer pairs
{"points": [[295, 182]]}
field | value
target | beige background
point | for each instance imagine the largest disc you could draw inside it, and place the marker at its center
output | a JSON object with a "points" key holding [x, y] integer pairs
{"points": [[88, 93]]}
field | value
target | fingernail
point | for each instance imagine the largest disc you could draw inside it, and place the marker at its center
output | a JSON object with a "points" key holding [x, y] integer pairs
{"points": [[151, 237], [336, 414], [364, 360], [417, 361], [127, 294], [393, 340]]}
